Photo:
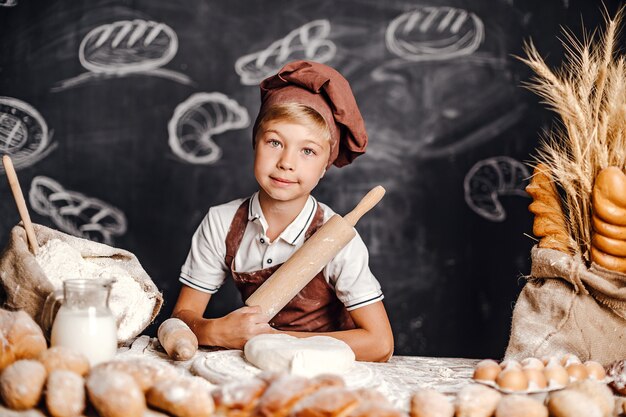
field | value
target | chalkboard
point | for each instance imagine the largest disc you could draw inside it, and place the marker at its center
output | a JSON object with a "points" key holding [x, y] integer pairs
{"points": [[127, 120]]}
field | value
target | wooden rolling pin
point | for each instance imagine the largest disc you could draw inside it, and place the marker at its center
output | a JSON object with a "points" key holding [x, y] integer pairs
{"points": [[311, 258]]}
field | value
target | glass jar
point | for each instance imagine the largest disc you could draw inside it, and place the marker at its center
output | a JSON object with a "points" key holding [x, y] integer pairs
{"points": [[84, 321]]}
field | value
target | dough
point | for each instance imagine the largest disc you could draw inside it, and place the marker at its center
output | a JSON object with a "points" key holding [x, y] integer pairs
{"points": [[300, 356]]}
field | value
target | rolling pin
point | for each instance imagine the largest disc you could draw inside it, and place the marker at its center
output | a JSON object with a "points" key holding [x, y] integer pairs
{"points": [[311, 258]]}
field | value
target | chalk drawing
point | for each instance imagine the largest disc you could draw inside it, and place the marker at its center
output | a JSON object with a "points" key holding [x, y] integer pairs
{"points": [[197, 120], [306, 42], [8, 3], [434, 34], [75, 213], [23, 133], [490, 178], [126, 47]]}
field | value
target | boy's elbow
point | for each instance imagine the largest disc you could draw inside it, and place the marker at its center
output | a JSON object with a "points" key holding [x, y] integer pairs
{"points": [[384, 350]]}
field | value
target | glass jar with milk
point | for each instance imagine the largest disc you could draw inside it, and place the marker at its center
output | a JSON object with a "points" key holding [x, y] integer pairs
{"points": [[84, 321]]}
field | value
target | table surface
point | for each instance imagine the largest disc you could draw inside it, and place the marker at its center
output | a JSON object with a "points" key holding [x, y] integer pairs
{"points": [[397, 379]]}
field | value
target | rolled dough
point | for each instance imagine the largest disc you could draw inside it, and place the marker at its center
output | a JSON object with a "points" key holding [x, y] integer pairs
{"points": [[308, 356]]}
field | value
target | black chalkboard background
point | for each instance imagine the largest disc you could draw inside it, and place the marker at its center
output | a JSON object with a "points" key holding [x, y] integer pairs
{"points": [[449, 260]]}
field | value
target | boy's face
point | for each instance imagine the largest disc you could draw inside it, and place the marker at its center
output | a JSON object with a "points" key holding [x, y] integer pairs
{"points": [[289, 160]]}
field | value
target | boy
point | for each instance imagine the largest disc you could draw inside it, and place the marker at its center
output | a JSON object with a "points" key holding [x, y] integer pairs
{"points": [[308, 121]]}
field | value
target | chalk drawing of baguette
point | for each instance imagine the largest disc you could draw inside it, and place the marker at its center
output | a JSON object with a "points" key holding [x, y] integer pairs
{"points": [[197, 120], [75, 213], [127, 47], [23, 133], [434, 34], [306, 42], [491, 178]]}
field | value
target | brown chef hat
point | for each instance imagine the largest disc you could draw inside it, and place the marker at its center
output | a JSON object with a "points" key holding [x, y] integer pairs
{"points": [[328, 92]]}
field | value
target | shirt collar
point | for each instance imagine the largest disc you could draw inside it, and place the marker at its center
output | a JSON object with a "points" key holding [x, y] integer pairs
{"points": [[296, 228]]}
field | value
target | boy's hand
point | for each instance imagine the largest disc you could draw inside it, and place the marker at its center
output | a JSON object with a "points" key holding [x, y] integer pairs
{"points": [[237, 327]]}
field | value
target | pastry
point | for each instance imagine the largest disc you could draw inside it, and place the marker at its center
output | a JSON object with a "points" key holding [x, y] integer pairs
{"points": [[65, 393], [21, 384]]}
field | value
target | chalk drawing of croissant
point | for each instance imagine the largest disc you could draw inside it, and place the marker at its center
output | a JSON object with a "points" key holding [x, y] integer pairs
{"points": [[197, 120], [306, 42], [126, 47], [23, 133], [491, 178], [75, 213], [434, 33]]}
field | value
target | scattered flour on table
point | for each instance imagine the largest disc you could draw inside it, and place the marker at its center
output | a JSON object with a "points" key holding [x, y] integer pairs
{"points": [[128, 301]]}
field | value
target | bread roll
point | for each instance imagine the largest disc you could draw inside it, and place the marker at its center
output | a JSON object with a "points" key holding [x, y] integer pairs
{"points": [[61, 357], [608, 199], [568, 403], [238, 399], [20, 337], [65, 393], [430, 403], [21, 384], [146, 372], [115, 393], [520, 406], [476, 400], [182, 397], [327, 402], [549, 223]]}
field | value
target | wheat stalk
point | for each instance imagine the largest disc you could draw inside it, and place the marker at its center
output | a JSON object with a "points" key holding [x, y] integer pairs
{"points": [[589, 94]]}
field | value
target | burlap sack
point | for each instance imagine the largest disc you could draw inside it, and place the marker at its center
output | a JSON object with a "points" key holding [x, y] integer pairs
{"points": [[566, 307], [26, 287]]}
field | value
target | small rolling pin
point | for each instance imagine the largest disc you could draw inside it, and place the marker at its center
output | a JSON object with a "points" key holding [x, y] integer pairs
{"points": [[311, 258]]}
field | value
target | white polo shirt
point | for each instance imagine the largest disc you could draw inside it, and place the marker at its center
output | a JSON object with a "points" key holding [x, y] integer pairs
{"points": [[205, 268]]}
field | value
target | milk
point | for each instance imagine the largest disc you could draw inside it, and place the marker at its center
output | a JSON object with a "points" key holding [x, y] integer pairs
{"points": [[90, 331]]}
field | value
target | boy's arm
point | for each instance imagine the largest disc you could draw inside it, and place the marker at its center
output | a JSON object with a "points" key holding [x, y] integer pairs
{"points": [[231, 331], [372, 340]]}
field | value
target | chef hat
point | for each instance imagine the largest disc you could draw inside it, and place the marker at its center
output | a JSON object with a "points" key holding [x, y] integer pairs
{"points": [[326, 91]]}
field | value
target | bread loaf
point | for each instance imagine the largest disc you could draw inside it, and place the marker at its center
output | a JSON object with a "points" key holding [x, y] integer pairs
{"points": [[608, 199], [115, 393], [21, 384], [65, 393], [64, 358], [177, 339], [549, 223], [182, 397], [20, 337]]}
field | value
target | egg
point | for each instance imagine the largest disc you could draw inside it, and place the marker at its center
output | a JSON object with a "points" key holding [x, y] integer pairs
{"points": [[512, 379], [486, 370], [536, 378], [569, 358], [532, 363], [595, 370], [577, 371], [555, 374]]}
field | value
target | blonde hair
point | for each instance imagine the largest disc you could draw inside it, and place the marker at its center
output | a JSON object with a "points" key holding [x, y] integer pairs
{"points": [[294, 113]]}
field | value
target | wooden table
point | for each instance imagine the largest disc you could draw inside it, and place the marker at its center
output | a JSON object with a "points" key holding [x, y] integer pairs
{"points": [[397, 379]]}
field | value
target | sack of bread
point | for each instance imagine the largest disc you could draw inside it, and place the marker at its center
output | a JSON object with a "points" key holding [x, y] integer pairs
{"points": [[29, 282]]}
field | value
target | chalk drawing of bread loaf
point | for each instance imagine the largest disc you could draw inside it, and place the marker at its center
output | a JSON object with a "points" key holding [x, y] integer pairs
{"points": [[608, 199], [491, 178], [309, 42], [75, 213], [128, 46], [197, 120], [23, 132], [434, 33]]}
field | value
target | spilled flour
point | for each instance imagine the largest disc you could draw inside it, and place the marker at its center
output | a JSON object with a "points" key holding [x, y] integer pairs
{"points": [[129, 303]]}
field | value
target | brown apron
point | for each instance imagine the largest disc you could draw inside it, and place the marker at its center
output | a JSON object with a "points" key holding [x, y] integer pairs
{"points": [[315, 308]]}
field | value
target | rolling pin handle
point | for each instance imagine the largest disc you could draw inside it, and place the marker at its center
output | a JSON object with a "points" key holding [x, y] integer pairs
{"points": [[367, 202]]}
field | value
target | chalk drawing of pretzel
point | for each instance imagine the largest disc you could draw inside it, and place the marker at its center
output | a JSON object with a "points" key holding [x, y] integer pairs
{"points": [[491, 178], [306, 42], [127, 47], [434, 33], [75, 213], [197, 120], [23, 133]]}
